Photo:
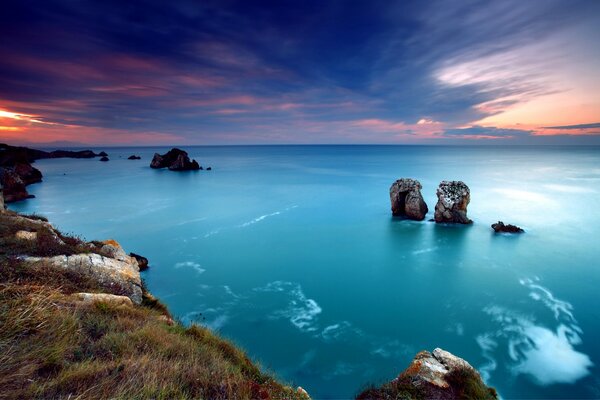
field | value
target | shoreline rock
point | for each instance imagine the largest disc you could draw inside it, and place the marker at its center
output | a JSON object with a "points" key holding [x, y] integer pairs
{"points": [[453, 199], [406, 199], [175, 160], [436, 375], [500, 227]]}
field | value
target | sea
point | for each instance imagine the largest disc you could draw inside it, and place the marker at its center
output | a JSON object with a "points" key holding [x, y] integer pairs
{"points": [[292, 253]]}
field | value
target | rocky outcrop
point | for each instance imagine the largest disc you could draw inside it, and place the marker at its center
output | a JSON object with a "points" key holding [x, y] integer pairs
{"points": [[406, 199], [2, 206], [112, 299], [26, 235], [175, 160], [500, 227], [134, 157], [102, 154], [453, 199], [438, 375], [142, 261], [14, 187], [115, 276], [104, 159], [16, 171]]}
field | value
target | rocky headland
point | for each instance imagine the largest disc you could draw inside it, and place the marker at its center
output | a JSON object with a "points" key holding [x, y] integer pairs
{"points": [[77, 321], [453, 199], [175, 160], [16, 171], [406, 199]]}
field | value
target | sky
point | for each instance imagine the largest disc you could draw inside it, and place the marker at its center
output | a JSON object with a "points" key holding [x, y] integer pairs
{"points": [[300, 72]]}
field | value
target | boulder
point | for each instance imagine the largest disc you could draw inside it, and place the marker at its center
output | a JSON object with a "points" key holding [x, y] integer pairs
{"points": [[102, 154], [406, 199], [500, 227], [104, 159], [438, 375], [112, 299], [142, 261], [175, 160], [134, 157], [453, 199], [208, 169], [120, 277], [26, 235]]}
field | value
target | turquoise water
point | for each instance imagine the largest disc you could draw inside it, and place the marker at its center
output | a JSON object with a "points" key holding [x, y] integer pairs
{"points": [[291, 252]]}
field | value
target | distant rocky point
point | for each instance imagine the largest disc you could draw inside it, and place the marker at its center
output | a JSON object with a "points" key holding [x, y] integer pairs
{"points": [[453, 199], [500, 227], [175, 160], [406, 199], [16, 171], [437, 375]]}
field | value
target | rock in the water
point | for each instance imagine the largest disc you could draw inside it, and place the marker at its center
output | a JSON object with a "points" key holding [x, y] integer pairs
{"points": [[175, 160], [453, 199], [142, 261], [508, 228], [406, 199], [134, 157], [208, 169], [438, 375], [102, 154], [104, 159]]}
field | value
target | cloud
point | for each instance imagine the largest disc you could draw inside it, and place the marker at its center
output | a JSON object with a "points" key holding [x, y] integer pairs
{"points": [[579, 126]]}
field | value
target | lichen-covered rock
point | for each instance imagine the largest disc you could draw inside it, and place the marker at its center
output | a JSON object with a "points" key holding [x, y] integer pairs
{"points": [[453, 199], [117, 276], [175, 160], [112, 299], [438, 375], [26, 235], [500, 227], [406, 199]]}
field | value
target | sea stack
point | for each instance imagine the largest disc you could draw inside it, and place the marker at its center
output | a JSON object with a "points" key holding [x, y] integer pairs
{"points": [[175, 160], [453, 199], [406, 199]]}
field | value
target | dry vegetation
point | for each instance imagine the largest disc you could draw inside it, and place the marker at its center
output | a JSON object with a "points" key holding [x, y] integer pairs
{"points": [[53, 346]]}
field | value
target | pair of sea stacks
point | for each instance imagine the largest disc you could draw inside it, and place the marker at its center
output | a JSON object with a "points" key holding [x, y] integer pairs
{"points": [[453, 199]]}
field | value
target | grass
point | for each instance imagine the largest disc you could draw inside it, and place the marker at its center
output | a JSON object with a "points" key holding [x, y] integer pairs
{"points": [[49, 243], [54, 346]]}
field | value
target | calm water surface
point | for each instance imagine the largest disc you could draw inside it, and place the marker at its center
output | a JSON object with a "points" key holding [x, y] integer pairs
{"points": [[291, 252]]}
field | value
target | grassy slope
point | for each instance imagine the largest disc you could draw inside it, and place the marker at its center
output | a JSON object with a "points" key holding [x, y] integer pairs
{"points": [[54, 346]]}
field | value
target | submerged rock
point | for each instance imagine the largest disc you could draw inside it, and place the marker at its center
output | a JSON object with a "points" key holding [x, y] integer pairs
{"points": [[437, 375], [453, 199], [501, 227], [406, 199], [134, 157], [175, 160]]}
